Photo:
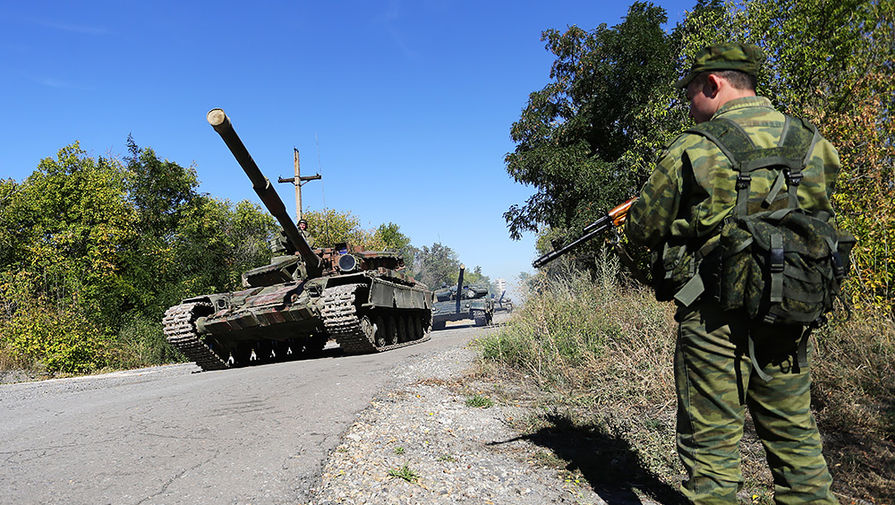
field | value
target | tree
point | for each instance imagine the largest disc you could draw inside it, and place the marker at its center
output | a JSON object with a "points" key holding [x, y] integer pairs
{"points": [[95, 245], [63, 283], [436, 265], [573, 135], [329, 227], [215, 243], [388, 237], [476, 277], [70, 226], [160, 190]]}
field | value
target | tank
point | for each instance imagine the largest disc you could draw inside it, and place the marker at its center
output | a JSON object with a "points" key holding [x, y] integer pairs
{"points": [[503, 304], [461, 302], [306, 297]]}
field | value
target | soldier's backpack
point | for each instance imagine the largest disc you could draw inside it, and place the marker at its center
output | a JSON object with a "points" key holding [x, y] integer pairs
{"points": [[779, 263]]}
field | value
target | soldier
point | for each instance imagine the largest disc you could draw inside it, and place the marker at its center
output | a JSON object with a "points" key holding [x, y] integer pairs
{"points": [[303, 228], [679, 213]]}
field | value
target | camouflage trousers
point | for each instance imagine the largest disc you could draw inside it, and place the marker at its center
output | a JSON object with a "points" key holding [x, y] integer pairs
{"points": [[715, 384]]}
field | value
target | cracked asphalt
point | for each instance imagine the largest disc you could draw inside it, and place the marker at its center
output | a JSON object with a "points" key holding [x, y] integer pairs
{"points": [[169, 435]]}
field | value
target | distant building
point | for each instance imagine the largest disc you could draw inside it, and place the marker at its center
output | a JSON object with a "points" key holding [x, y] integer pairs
{"points": [[501, 285]]}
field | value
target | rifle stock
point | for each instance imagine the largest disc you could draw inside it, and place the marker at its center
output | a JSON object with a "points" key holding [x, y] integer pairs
{"points": [[614, 217]]}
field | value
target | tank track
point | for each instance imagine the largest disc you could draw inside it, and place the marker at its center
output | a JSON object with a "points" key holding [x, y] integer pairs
{"points": [[340, 318], [180, 331]]}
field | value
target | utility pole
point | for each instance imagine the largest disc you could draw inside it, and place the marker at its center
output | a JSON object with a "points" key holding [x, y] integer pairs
{"points": [[298, 181]]}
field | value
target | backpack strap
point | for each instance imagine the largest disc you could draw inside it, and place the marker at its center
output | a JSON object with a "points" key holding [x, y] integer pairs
{"points": [[789, 156], [730, 138]]}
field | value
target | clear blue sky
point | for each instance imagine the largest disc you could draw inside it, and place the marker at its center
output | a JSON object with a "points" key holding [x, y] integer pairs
{"points": [[404, 107]]}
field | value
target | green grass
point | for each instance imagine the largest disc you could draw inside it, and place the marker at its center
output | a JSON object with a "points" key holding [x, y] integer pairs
{"points": [[405, 472], [399, 450], [479, 401]]}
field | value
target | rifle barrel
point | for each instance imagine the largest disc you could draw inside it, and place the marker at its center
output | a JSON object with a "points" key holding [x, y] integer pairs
{"points": [[614, 217], [552, 255]]}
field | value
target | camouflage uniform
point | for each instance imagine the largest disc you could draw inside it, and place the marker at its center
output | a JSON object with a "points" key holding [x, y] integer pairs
{"points": [[680, 209]]}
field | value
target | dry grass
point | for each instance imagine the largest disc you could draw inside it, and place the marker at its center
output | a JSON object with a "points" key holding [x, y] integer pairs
{"points": [[599, 354]]}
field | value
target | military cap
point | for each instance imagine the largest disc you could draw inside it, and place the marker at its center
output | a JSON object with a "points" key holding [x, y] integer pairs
{"points": [[743, 57]]}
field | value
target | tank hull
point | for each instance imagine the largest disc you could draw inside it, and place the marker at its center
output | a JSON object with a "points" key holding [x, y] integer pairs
{"points": [[364, 312], [479, 310]]}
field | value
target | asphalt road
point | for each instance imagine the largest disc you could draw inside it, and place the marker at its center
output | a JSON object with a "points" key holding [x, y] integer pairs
{"points": [[170, 435]]}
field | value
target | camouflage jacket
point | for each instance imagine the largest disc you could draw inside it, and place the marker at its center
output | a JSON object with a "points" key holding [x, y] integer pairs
{"points": [[693, 187]]}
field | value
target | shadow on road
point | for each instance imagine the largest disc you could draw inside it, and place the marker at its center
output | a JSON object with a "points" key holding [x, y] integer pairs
{"points": [[606, 461]]}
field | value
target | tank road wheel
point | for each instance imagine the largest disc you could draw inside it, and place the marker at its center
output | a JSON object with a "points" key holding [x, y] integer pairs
{"points": [[399, 328], [314, 344], [417, 327], [381, 331], [391, 337], [291, 349], [409, 328], [366, 326]]}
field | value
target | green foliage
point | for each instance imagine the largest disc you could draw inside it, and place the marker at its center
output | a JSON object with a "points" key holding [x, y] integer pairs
{"points": [[389, 237], [52, 339], [69, 228], [140, 342], [405, 472], [476, 277], [437, 265], [574, 133], [93, 248], [215, 243], [161, 191], [330, 227], [588, 139], [479, 402]]}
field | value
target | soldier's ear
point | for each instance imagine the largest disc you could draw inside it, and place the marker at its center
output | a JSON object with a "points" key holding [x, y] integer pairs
{"points": [[712, 85]]}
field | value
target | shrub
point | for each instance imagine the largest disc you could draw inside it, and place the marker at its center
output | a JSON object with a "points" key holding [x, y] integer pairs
{"points": [[54, 339], [141, 342]]}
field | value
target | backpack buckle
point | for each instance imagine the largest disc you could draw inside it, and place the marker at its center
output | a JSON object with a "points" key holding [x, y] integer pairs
{"points": [[793, 179], [776, 260], [743, 181]]}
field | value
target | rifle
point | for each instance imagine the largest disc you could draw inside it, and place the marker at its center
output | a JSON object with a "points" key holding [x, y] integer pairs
{"points": [[614, 217]]}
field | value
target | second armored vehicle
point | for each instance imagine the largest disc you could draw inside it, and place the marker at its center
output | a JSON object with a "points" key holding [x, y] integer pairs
{"points": [[503, 304], [462, 302], [305, 297]]}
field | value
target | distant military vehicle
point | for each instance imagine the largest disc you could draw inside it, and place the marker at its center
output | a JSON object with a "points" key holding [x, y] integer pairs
{"points": [[462, 302], [305, 297], [503, 304]]}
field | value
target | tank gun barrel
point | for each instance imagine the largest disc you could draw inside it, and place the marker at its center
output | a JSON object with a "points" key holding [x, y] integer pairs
{"points": [[261, 184], [460, 286]]}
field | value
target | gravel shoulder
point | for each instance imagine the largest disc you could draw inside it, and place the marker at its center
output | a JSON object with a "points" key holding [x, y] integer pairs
{"points": [[421, 443]]}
